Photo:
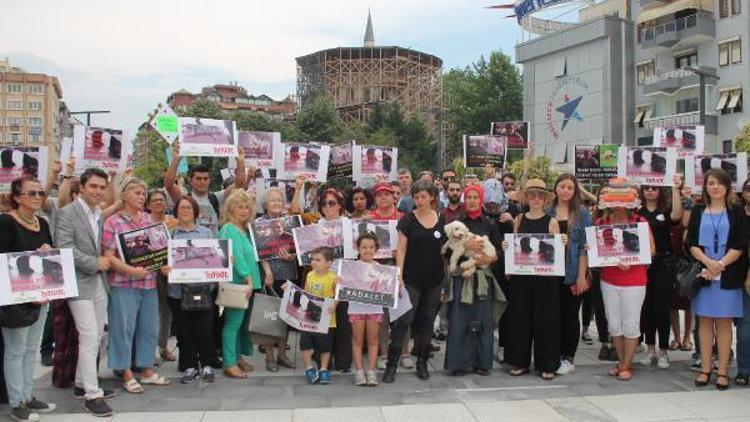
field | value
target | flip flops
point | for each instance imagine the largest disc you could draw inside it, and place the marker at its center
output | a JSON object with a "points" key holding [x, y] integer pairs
{"points": [[133, 387]]}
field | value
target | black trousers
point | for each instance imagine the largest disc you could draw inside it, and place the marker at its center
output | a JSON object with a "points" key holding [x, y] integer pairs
{"points": [[655, 312], [342, 338], [195, 336], [533, 312], [597, 301], [504, 330], [47, 347], [570, 326], [421, 318]]}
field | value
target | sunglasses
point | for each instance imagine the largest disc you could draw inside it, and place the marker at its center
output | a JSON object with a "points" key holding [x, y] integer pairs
{"points": [[650, 188], [33, 193], [328, 204]]}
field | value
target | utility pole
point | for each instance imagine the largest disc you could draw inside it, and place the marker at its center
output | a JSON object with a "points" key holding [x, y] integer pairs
{"points": [[88, 114]]}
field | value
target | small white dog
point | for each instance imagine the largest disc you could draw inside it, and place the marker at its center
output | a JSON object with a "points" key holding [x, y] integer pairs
{"points": [[457, 234]]}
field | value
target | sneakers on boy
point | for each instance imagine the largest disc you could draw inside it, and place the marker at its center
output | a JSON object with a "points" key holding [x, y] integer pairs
{"points": [[98, 407], [312, 375], [325, 377], [566, 367], [663, 361], [80, 394], [38, 406], [372, 378], [189, 376], [359, 377], [23, 414], [207, 374]]}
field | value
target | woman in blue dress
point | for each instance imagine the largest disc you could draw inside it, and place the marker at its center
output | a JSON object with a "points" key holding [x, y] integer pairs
{"points": [[717, 237]]}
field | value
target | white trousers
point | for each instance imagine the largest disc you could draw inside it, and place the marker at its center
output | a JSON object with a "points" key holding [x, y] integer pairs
{"points": [[90, 315], [622, 305]]}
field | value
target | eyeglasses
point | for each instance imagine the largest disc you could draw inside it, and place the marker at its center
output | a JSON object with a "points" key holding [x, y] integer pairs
{"points": [[157, 200], [650, 188], [328, 204], [33, 193]]}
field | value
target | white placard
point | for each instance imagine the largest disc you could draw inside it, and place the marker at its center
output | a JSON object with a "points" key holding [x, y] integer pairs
{"points": [[615, 244], [328, 233], [374, 163], [653, 166], [35, 276], [107, 149], [18, 161], [261, 149], [166, 123], [368, 283], [207, 137], [304, 311], [309, 160], [734, 164], [200, 260], [687, 140], [385, 230], [535, 254]]}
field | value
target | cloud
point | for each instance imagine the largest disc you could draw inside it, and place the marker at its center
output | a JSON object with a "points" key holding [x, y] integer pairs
{"points": [[126, 56]]}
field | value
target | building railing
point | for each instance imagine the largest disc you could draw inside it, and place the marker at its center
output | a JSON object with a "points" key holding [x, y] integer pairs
{"points": [[650, 33], [672, 74]]}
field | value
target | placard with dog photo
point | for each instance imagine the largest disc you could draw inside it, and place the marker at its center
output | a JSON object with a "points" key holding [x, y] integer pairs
{"points": [[259, 148], [653, 166], [309, 160], [200, 260], [340, 165], [697, 166], [616, 244], [107, 149], [207, 137], [17, 162], [328, 233], [368, 283], [535, 254], [35, 276], [147, 247], [271, 236], [516, 133], [596, 162], [385, 230], [482, 149], [372, 163], [687, 140], [304, 311]]}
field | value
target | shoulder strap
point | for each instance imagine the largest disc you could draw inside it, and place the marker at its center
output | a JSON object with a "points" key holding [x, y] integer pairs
{"points": [[214, 200]]}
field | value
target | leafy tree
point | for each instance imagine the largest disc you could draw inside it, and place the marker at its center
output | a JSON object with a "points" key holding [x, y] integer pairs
{"points": [[388, 127], [539, 167], [152, 169], [203, 108], [486, 91], [742, 140], [319, 121]]}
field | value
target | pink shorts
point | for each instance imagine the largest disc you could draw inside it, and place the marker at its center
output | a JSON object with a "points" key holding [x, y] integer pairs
{"points": [[365, 317]]}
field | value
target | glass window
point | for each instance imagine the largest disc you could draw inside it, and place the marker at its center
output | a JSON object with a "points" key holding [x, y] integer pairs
{"points": [[736, 7], [14, 88], [736, 51], [688, 105], [15, 105], [644, 71], [35, 138], [35, 121], [37, 89], [15, 138], [14, 121], [723, 8], [686, 60], [724, 54], [726, 147], [35, 105]]}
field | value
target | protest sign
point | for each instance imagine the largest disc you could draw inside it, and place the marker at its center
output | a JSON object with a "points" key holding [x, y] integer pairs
{"points": [[262, 185], [385, 230], [200, 260], [166, 123], [207, 137], [697, 166], [107, 149], [36, 276], [653, 166], [340, 164], [304, 311], [372, 163], [516, 134], [596, 162], [482, 149], [17, 162], [146, 247], [260, 148], [271, 236], [309, 160], [404, 306], [616, 244], [535, 254], [687, 140], [368, 283], [326, 233]]}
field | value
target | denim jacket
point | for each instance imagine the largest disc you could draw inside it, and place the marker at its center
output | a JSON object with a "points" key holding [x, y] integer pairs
{"points": [[576, 243]]}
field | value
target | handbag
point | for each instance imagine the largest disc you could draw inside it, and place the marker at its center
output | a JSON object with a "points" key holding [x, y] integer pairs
{"points": [[196, 297], [686, 276], [20, 315], [233, 295], [265, 319]]}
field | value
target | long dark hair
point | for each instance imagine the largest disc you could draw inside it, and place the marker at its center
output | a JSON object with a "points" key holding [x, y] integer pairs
{"points": [[574, 208], [369, 200], [663, 201]]}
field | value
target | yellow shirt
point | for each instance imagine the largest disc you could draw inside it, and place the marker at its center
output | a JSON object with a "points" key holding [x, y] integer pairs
{"points": [[322, 286]]}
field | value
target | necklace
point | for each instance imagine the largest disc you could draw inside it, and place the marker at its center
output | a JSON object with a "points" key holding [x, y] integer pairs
{"points": [[715, 225], [33, 221]]}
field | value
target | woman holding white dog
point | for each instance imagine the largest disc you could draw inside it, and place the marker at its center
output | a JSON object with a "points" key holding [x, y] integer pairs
{"points": [[474, 301], [536, 299]]}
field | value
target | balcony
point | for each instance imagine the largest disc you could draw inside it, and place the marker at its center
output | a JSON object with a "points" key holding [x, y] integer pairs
{"points": [[652, 3], [670, 82], [681, 32], [684, 119]]}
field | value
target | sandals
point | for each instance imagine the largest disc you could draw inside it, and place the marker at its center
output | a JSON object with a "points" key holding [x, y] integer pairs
{"points": [[548, 376], [517, 372], [722, 387], [742, 379], [156, 380], [624, 374], [614, 371], [699, 383], [687, 346], [675, 345], [133, 387], [234, 372]]}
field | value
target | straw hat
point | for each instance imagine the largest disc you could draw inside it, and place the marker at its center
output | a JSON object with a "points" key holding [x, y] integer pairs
{"points": [[531, 185]]}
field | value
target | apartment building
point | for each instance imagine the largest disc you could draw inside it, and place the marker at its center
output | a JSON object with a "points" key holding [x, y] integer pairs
{"points": [[233, 97]]}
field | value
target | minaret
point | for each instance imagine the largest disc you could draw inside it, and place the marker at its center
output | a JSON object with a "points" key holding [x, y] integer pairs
{"points": [[369, 34]]}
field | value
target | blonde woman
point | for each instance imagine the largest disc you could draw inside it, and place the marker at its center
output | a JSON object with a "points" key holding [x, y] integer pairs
{"points": [[240, 210]]}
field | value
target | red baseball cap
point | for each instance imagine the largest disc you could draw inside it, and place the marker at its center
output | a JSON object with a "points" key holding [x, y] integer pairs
{"points": [[382, 187]]}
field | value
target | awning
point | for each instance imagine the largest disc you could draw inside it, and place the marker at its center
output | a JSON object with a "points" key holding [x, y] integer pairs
{"points": [[736, 95], [672, 8], [722, 101], [639, 115]]}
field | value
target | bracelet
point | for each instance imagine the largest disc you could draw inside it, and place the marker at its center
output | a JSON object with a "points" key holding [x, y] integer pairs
{"points": [[687, 203]]}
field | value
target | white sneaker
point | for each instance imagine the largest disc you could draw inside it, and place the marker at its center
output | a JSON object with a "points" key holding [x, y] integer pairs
{"points": [[372, 378], [499, 355], [649, 359], [566, 367], [663, 361], [359, 377], [382, 362], [407, 362], [641, 348]]}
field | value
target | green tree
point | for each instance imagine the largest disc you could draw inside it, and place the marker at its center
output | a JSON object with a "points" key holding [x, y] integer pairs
{"points": [[742, 140], [203, 108], [486, 91], [388, 127], [253, 120], [539, 167], [152, 169], [319, 121]]}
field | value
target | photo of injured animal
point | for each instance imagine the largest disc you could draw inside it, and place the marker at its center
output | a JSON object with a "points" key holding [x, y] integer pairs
{"points": [[304, 311], [688, 140], [534, 254], [385, 230], [654, 166], [37, 275], [612, 245], [697, 166], [200, 260]]}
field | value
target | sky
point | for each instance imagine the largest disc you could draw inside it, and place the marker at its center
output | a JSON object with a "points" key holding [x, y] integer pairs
{"points": [[127, 56]]}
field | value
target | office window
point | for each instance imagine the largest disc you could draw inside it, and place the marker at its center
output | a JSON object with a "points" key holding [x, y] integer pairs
{"points": [[35, 105], [688, 105], [726, 147], [36, 89], [736, 7], [15, 105], [686, 60], [723, 8], [14, 138], [730, 52], [35, 138], [14, 121], [35, 121], [14, 88], [644, 70]]}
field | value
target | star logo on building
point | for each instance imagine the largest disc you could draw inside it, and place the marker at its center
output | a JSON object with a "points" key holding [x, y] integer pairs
{"points": [[569, 110]]}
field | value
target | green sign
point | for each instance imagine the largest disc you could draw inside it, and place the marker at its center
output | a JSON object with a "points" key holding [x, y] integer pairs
{"points": [[166, 123]]}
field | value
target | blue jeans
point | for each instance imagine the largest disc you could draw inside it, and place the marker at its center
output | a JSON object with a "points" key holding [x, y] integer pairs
{"points": [[133, 314], [743, 336], [20, 352]]}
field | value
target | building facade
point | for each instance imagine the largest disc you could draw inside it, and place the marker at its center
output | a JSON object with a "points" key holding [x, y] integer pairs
{"points": [[233, 97], [675, 36], [32, 112]]}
